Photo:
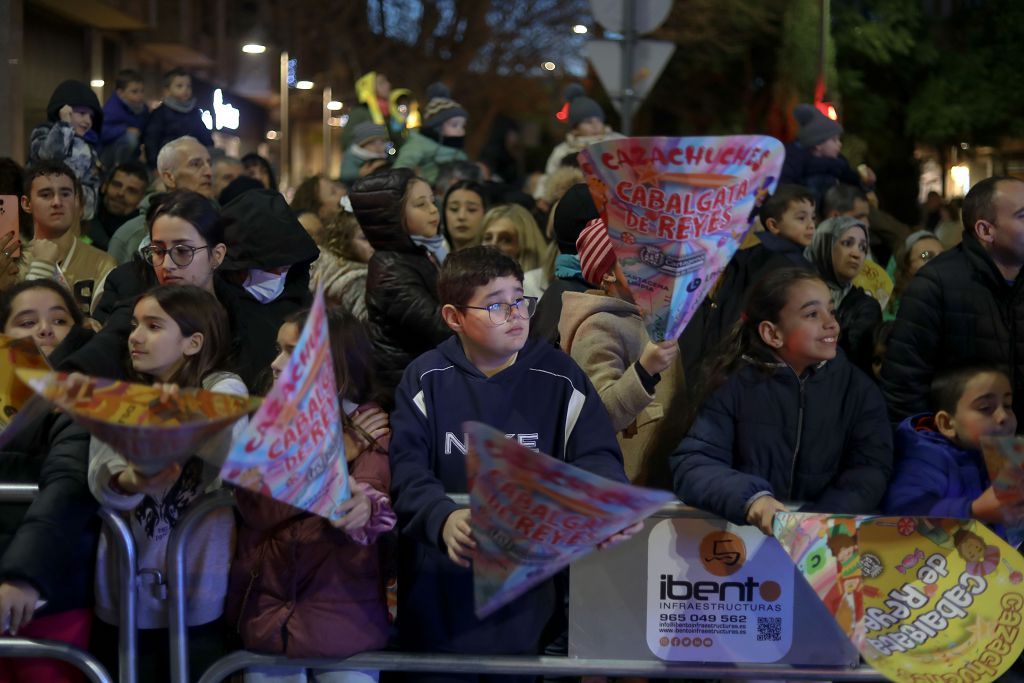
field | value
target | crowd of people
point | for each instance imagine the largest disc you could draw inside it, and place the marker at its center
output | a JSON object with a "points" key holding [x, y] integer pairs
{"points": [[456, 294]]}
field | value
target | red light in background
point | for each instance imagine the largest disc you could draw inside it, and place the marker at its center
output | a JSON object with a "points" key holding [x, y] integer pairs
{"points": [[563, 113], [828, 109]]}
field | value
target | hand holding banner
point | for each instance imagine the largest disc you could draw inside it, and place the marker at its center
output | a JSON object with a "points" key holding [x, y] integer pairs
{"points": [[677, 210], [921, 598], [532, 515], [17, 402], [137, 420], [292, 449], [1004, 459]]}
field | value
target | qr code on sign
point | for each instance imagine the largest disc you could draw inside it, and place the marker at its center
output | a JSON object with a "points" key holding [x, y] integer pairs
{"points": [[769, 628]]}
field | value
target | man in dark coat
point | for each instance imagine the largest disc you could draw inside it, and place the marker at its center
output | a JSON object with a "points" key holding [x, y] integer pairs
{"points": [[965, 305]]}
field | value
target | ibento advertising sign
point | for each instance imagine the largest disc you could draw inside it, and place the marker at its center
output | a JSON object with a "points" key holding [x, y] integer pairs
{"points": [[709, 601]]}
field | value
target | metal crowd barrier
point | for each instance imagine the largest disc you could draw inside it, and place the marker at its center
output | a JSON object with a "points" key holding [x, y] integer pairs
{"points": [[124, 546], [451, 663]]}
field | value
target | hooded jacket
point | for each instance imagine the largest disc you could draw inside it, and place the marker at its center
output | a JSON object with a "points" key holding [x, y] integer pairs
{"points": [[606, 336], [545, 402], [57, 141], [821, 439], [934, 477], [264, 235], [344, 282], [403, 309], [958, 308]]}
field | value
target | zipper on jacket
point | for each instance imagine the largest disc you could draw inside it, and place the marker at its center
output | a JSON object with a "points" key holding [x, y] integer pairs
{"points": [[799, 437]]}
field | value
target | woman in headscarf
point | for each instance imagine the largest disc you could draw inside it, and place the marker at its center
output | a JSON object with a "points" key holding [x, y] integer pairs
{"points": [[839, 250]]}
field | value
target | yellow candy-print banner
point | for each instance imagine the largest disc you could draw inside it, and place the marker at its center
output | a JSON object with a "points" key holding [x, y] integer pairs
{"points": [[924, 600]]}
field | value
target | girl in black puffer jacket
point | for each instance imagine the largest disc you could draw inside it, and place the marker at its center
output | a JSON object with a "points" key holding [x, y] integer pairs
{"points": [[786, 417], [397, 213]]}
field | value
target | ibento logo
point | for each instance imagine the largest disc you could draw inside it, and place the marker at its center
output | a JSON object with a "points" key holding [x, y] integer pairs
{"points": [[722, 553]]}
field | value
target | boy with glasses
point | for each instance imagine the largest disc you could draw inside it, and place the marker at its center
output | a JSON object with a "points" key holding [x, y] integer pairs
{"points": [[489, 372]]}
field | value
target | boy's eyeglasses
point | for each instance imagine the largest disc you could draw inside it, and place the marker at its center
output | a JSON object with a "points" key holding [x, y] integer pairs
{"points": [[501, 313], [181, 254]]}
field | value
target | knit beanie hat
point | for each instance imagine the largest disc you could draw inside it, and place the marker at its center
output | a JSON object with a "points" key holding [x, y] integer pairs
{"points": [[572, 213], [440, 107], [366, 130], [76, 94], [581, 107], [597, 256], [815, 127]]}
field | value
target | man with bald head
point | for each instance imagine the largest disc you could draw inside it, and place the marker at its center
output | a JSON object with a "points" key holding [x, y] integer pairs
{"points": [[966, 305], [182, 164]]}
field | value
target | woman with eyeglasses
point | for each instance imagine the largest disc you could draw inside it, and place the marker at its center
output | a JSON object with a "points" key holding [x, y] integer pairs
{"points": [[839, 250], [918, 249]]}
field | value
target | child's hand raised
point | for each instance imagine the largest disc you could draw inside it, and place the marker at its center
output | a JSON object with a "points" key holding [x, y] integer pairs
{"points": [[65, 113], [458, 537], [657, 358], [130, 481], [357, 509], [624, 535], [762, 512]]}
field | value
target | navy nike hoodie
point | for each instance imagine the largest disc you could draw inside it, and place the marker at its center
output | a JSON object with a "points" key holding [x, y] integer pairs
{"points": [[545, 401]]}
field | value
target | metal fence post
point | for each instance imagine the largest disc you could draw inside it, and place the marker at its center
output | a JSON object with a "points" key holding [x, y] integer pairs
{"points": [[49, 649], [176, 577], [127, 580]]}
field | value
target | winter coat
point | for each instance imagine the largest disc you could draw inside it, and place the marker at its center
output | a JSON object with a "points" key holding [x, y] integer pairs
{"points": [[403, 309], [934, 477], [344, 282], [354, 159], [301, 588], [426, 156], [124, 243], [605, 336], [822, 440], [544, 401], [210, 544], [264, 235], [816, 173], [118, 117], [858, 315], [714, 319], [958, 308], [51, 542], [166, 124]]}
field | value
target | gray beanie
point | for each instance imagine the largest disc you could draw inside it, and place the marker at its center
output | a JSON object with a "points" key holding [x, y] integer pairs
{"points": [[366, 130], [581, 107], [815, 127]]}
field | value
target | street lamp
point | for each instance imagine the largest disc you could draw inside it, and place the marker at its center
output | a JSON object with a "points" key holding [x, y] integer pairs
{"points": [[579, 29], [254, 48], [304, 85], [548, 66]]}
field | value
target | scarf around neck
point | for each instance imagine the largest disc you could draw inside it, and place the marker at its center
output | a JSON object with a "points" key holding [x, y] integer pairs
{"points": [[435, 245], [180, 106]]}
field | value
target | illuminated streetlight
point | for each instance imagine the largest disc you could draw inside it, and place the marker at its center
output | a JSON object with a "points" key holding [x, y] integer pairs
{"points": [[579, 28], [334, 105], [97, 82], [548, 66], [304, 85], [271, 134], [254, 48]]}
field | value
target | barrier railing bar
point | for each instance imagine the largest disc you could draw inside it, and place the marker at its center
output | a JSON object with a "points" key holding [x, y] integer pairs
{"points": [[49, 649], [18, 493], [176, 578], [128, 583], [527, 665]]}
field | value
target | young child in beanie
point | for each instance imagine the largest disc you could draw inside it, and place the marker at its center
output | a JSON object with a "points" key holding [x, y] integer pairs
{"points": [[75, 120], [573, 212], [439, 140], [604, 332], [176, 117], [586, 126], [813, 159], [940, 470], [367, 154]]}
